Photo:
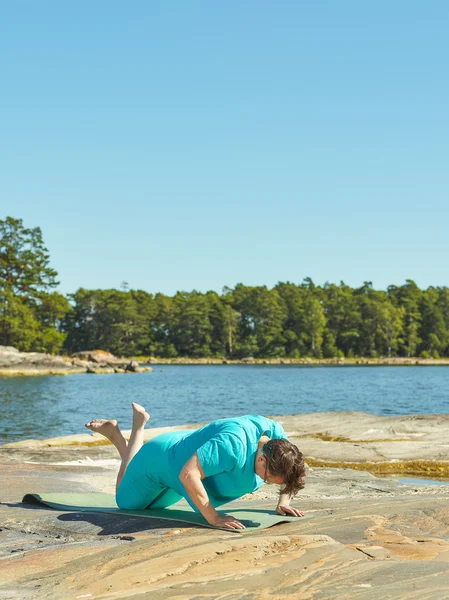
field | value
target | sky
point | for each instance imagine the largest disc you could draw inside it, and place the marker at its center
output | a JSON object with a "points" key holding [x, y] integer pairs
{"points": [[180, 145]]}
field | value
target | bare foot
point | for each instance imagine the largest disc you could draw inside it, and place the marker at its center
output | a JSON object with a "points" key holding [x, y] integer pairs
{"points": [[109, 429], [140, 415]]}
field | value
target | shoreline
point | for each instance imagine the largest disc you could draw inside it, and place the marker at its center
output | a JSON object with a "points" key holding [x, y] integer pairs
{"points": [[395, 361], [146, 363]]}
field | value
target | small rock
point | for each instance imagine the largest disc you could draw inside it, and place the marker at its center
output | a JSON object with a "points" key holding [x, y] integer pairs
{"points": [[100, 371], [80, 363], [133, 366]]}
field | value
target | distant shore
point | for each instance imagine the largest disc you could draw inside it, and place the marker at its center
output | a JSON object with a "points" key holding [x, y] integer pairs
{"points": [[394, 361], [27, 364]]}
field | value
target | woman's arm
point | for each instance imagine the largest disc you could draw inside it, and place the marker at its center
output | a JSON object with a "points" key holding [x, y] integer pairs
{"points": [[283, 508], [190, 477]]}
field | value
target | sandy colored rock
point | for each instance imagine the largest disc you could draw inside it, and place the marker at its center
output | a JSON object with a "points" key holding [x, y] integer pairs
{"points": [[371, 538], [14, 363]]}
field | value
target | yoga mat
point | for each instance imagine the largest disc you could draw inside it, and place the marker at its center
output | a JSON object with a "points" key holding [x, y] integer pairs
{"points": [[99, 502]]}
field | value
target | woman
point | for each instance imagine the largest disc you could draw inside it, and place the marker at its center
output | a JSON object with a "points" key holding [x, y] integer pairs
{"points": [[209, 466]]}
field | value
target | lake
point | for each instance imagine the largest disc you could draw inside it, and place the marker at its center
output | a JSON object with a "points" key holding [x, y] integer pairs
{"points": [[43, 407]]}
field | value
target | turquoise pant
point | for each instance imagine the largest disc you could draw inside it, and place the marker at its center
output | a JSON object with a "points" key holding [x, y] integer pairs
{"points": [[142, 485]]}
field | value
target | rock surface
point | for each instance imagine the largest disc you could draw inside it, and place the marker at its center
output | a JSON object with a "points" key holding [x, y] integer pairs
{"points": [[370, 538], [13, 362]]}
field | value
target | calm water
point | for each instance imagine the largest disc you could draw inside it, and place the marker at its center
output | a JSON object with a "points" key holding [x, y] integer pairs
{"points": [[42, 407], [421, 481]]}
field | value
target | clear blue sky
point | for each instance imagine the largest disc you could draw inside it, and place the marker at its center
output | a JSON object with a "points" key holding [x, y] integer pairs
{"points": [[193, 144]]}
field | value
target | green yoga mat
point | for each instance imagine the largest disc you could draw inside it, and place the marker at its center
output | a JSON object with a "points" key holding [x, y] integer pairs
{"points": [[98, 502]]}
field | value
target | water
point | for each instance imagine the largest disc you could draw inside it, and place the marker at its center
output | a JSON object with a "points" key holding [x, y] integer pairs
{"points": [[422, 481], [42, 407]]}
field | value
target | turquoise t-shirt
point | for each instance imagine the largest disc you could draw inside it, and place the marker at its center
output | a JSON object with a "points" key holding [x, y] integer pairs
{"points": [[226, 451]]}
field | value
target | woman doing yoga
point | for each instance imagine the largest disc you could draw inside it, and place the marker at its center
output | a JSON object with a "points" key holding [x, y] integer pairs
{"points": [[208, 467]]}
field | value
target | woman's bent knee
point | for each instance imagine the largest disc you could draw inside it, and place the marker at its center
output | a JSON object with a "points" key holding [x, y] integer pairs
{"points": [[128, 504], [130, 497]]}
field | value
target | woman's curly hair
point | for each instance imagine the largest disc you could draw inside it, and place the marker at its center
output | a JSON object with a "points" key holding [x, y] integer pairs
{"points": [[285, 460]]}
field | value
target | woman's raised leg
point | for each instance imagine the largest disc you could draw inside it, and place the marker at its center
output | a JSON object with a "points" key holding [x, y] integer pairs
{"points": [[111, 431], [140, 418]]}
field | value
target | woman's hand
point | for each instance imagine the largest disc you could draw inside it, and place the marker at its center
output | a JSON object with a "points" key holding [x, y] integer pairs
{"points": [[289, 511], [227, 521]]}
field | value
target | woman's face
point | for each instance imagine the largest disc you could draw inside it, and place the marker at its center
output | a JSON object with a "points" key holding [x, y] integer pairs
{"points": [[265, 474]]}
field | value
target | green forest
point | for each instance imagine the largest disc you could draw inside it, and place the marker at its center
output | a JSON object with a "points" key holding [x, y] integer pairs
{"points": [[290, 320]]}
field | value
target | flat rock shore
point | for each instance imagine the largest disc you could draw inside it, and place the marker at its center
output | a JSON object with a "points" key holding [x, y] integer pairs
{"points": [[22, 364], [369, 537]]}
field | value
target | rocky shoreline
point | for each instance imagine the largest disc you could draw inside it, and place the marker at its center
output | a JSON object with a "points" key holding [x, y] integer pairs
{"points": [[395, 361], [16, 363], [368, 537]]}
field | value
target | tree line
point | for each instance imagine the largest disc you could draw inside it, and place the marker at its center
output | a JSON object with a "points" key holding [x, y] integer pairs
{"points": [[288, 320]]}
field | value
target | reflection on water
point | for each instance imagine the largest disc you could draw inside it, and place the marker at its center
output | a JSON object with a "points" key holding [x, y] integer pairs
{"points": [[42, 407]]}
